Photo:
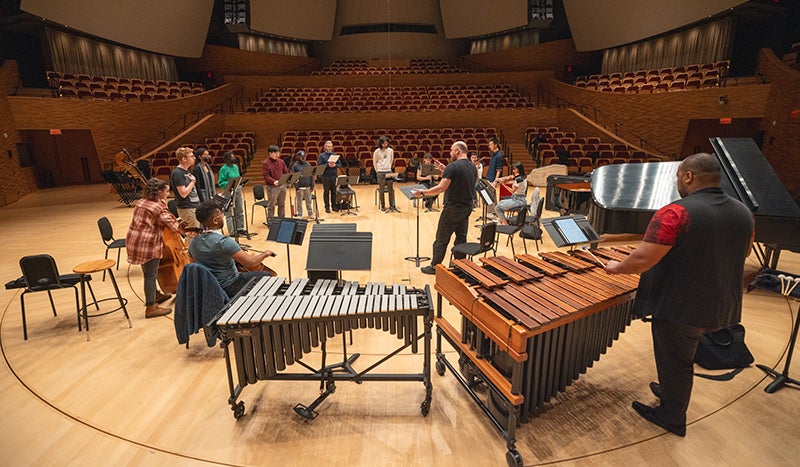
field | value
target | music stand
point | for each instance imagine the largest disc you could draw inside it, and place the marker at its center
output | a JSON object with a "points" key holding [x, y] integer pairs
{"points": [[227, 204], [487, 192], [570, 230], [317, 172], [291, 180], [409, 191], [487, 195], [289, 231]]}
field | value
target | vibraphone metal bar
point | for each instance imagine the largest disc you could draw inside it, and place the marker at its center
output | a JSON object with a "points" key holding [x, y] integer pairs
{"points": [[530, 338], [273, 324]]}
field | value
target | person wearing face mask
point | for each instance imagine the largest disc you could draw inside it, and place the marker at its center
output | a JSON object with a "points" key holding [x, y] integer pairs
{"points": [[203, 174], [228, 171]]}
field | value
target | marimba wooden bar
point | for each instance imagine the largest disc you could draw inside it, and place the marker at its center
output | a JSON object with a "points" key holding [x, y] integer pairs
{"points": [[530, 327], [273, 324]]}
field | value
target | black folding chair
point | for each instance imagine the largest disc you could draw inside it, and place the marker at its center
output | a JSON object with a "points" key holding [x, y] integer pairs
{"points": [[470, 249], [260, 200], [107, 232], [40, 274]]}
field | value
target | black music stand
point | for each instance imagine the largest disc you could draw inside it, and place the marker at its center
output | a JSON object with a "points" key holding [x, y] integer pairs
{"points": [[289, 231], [227, 203], [409, 191], [318, 170], [571, 230], [291, 180], [486, 192]]}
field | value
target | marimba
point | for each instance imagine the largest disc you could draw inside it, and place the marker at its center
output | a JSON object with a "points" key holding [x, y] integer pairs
{"points": [[530, 327], [274, 324]]}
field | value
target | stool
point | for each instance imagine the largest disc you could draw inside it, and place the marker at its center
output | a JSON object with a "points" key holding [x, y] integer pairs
{"points": [[85, 270]]}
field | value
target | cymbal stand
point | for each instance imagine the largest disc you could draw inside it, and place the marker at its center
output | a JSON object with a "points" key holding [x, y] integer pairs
{"points": [[783, 378]]}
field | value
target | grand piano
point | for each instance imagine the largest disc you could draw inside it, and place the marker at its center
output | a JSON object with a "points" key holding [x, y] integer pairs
{"points": [[625, 196]]}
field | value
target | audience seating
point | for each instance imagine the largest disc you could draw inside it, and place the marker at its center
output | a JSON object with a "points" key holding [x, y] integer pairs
{"points": [[116, 88], [579, 154], [695, 76], [362, 67], [381, 99]]}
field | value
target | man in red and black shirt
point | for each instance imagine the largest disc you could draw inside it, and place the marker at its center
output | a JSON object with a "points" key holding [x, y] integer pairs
{"points": [[692, 264]]}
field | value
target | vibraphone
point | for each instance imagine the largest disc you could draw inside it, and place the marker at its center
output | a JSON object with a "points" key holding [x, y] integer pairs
{"points": [[530, 327], [273, 324]]}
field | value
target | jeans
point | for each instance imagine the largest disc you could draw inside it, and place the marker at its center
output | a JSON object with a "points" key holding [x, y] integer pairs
{"points": [[300, 195], [150, 272]]}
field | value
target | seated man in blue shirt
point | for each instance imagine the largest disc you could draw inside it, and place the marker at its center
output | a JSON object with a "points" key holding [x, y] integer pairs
{"points": [[220, 253]]}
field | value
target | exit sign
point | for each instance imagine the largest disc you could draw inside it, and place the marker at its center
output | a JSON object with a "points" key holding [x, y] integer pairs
{"points": [[725, 121], [55, 131]]}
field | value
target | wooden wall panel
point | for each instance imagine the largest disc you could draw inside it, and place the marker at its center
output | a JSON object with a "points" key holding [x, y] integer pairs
{"points": [[781, 130], [114, 124], [15, 181], [554, 55], [663, 118], [231, 61]]}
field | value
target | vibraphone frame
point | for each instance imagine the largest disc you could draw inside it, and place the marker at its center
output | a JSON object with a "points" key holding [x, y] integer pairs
{"points": [[246, 338], [524, 347]]}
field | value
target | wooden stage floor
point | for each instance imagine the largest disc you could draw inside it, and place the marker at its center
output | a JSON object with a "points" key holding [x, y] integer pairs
{"points": [[136, 397]]}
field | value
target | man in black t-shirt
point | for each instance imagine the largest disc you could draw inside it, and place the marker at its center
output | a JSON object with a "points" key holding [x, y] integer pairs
{"points": [[458, 181], [184, 185]]}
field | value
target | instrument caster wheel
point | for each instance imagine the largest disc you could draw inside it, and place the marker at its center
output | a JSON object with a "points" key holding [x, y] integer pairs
{"points": [[425, 407], [439, 368], [513, 458], [238, 410]]}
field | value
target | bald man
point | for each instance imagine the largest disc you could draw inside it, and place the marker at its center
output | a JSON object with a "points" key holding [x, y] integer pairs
{"points": [[692, 264]]}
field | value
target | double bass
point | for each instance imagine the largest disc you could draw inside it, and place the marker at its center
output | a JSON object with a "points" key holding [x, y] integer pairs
{"points": [[174, 257]]}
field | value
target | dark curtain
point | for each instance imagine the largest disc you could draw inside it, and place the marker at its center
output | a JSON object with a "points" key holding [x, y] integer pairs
{"points": [[707, 43], [75, 54]]}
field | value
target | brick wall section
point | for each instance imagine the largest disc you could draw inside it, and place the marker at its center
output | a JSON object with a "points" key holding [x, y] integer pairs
{"points": [[114, 124], [15, 181], [782, 139]]}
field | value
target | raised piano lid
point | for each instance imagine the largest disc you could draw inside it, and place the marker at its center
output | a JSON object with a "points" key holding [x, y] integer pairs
{"points": [[625, 196], [749, 177]]}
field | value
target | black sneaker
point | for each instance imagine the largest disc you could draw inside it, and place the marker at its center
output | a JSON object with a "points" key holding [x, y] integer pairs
{"points": [[428, 269]]}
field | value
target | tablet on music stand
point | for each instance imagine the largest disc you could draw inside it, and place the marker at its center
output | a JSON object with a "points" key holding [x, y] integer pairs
{"points": [[409, 190]]}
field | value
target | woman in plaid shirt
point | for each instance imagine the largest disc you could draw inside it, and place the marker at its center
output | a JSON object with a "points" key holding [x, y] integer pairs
{"points": [[144, 244]]}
